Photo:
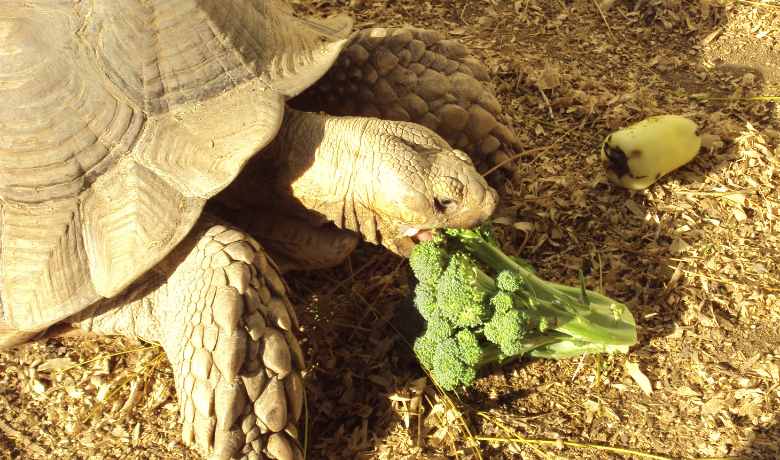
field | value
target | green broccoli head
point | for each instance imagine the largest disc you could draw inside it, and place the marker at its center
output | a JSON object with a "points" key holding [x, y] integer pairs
{"points": [[509, 281], [507, 330], [462, 292], [425, 299], [450, 360], [425, 349], [502, 302], [448, 369], [468, 344], [427, 261], [439, 328]]}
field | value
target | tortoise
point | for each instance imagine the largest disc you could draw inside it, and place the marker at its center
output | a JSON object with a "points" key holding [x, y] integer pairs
{"points": [[163, 163]]}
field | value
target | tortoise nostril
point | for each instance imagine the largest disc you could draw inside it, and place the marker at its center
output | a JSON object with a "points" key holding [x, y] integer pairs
{"points": [[444, 205]]}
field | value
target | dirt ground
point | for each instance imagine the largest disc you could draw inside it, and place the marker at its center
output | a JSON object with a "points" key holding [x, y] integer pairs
{"points": [[696, 257]]}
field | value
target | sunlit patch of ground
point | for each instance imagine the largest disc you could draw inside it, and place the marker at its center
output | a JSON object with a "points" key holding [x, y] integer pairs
{"points": [[696, 257]]}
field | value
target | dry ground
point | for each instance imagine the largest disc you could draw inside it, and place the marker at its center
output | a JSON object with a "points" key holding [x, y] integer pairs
{"points": [[696, 257]]}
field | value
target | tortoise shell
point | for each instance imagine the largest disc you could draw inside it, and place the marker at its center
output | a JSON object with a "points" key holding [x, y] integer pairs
{"points": [[118, 121]]}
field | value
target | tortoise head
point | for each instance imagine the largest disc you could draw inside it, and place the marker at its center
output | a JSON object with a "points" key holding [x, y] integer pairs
{"points": [[390, 181], [420, 183]]}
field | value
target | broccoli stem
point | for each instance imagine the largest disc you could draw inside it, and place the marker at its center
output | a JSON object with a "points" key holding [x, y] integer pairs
{"points": [[563, 348], [491, 352], [601, 321], [485, 282]]}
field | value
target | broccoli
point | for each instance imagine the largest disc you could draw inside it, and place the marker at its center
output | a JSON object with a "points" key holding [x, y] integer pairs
{"points": [[502, 302], [425, 299], [448, 369], [425, 348], [428, 261], [585, 315], [509, 281], [507, 330], [439, 328], [461, 291], [454, 360], [483, 306], [468, 347]]}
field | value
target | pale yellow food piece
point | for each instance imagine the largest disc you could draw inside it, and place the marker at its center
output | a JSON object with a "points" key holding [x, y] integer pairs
{"points": [[642, 153]]}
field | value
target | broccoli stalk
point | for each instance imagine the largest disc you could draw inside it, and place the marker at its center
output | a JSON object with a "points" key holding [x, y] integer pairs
{"points": [[596, 318], [501, 310]]}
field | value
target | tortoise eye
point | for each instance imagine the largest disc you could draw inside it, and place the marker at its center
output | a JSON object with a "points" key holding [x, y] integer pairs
{"points": [[444, 205]]}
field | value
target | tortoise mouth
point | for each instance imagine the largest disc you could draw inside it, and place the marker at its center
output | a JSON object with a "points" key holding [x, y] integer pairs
{"points": [[417, 235], [408, 239]]}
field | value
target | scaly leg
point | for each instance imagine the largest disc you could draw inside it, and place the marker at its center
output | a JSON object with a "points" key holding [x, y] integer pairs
{"points": [[220, 310], [299, 244]]}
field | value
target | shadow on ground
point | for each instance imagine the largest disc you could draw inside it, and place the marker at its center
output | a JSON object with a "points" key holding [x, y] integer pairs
{"points": [[689, 256]]}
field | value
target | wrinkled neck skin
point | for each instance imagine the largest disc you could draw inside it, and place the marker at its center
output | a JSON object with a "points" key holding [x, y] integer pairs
{"points": [[318, 160]]}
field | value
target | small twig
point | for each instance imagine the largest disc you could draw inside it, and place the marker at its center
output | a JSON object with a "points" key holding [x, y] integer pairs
{"points": [[349, 326], [528, 152], [509, 432], [517, 438], [546, 101], [746, 191], [305, 425], [110, 355], [580, 445], [580, 366], [604, 18], [601, 272], [711, 278]]}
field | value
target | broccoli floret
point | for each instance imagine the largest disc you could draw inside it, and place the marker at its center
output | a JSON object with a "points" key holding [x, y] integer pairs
{"points": [[425, 349], [463, 290], [507, 330], [468, 344], [439, 328], [502, 302], [428, 260], [451, 360], [425, 299], [508, 281], [448, 369]]}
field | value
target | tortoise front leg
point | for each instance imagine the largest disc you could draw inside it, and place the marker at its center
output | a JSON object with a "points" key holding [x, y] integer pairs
{"points": [[300, 244], [220, 310], [410, 74]]}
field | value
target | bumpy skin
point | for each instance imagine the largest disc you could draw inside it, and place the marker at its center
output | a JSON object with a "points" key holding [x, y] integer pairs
{"points": [[296, 243], [220, 310], [411, 74]]}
